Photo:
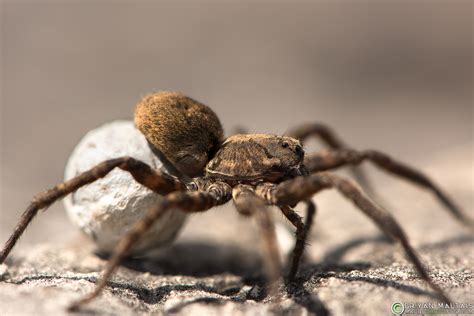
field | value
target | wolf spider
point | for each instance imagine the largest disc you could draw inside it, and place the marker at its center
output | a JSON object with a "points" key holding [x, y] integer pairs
{"points": [[254, 170]]}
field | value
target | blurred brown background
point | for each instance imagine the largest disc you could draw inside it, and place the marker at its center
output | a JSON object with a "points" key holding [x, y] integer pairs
{"points": [[396, 76]]}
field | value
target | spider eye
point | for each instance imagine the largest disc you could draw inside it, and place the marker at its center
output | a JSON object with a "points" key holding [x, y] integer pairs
{"points": [[285, 145], [298, 149]]}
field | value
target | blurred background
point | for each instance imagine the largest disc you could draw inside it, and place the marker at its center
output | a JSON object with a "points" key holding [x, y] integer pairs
{"points": [[391, 75]]}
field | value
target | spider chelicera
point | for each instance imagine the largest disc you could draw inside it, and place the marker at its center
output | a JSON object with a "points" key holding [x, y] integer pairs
{"points": [[256, 171]]}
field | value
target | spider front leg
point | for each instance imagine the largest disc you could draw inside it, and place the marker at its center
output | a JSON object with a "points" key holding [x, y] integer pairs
{"points": [[329, 137], [302, 229], [301, 236], [325, 133], [191, 202], [292, 191], [333, 159], [249, 204], [156, 181], [310, 213]]}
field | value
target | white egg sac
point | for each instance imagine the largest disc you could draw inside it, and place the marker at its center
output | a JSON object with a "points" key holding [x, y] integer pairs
{"points": [[106, 209]]}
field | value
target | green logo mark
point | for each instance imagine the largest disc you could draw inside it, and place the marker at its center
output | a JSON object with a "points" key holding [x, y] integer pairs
{"points": [[398, 308]]}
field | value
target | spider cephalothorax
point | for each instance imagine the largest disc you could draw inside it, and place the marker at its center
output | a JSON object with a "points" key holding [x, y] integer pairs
{"points": [[254, 170], [257, 157]]}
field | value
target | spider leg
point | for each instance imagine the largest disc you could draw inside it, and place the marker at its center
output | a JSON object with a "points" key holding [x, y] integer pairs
{"points": [[265, 191], [301, 235], [155, 180], [191, 202], [298, 189], [310, 213], [327, 135], [330, 138], [249, 204], [334, 159]]}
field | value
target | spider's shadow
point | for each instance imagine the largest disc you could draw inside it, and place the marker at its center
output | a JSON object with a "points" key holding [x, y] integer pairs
{"points": [[198, 259], [201, 259], [331, 268]]}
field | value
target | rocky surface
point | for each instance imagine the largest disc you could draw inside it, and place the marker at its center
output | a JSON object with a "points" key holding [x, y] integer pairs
{"points": [[214, 267]]}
